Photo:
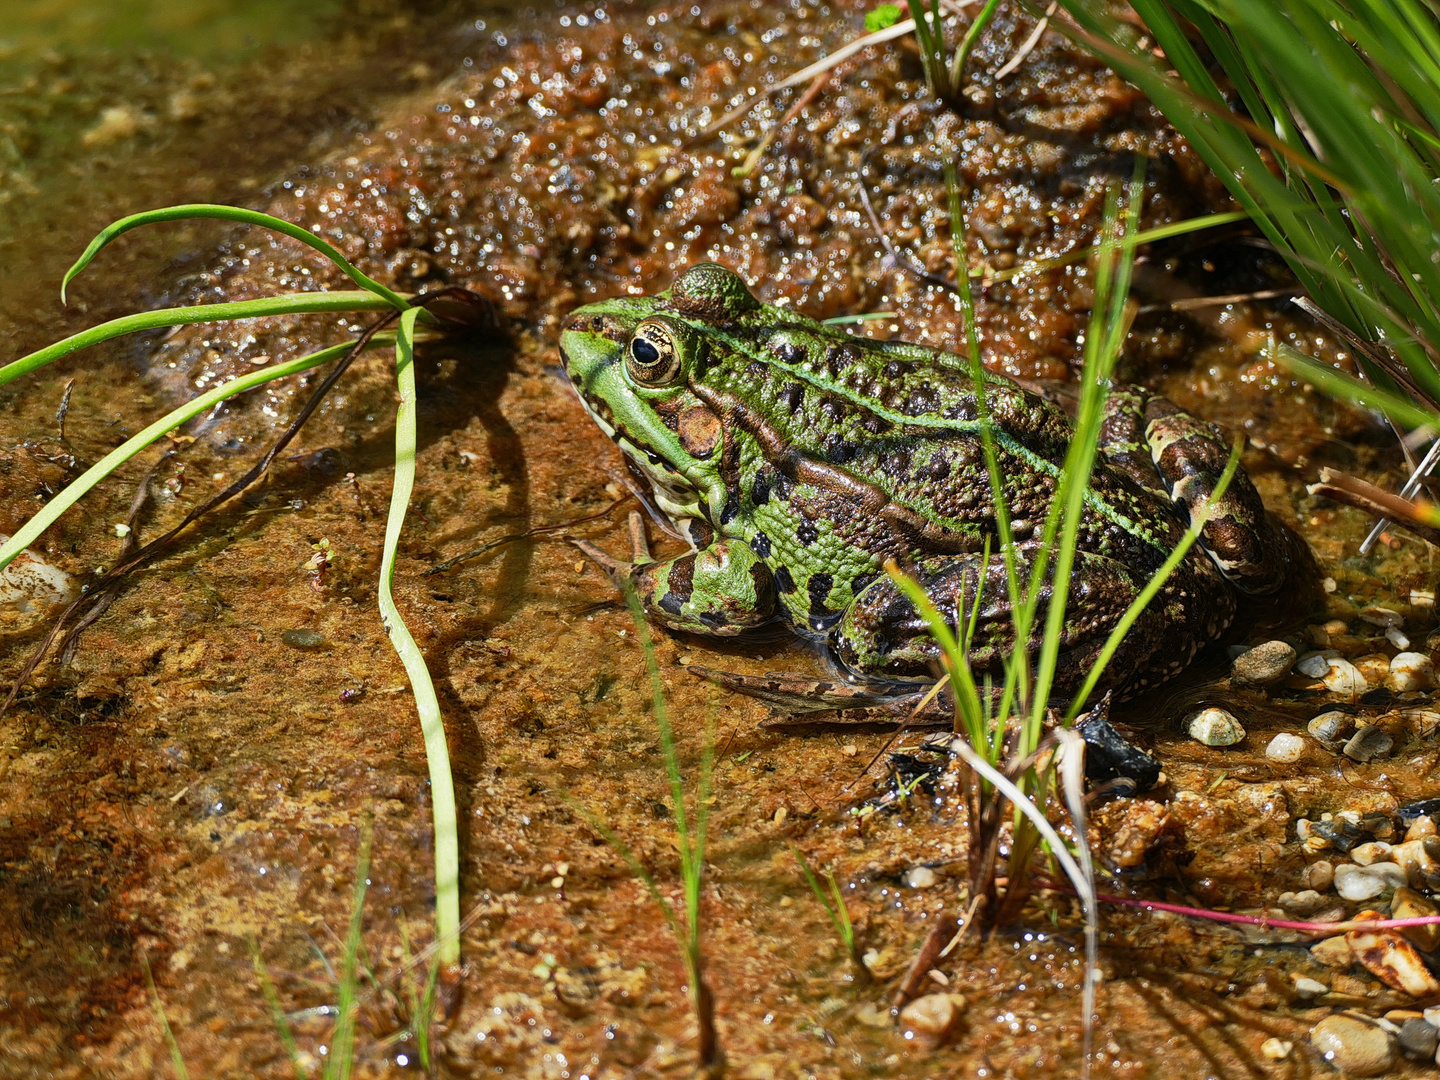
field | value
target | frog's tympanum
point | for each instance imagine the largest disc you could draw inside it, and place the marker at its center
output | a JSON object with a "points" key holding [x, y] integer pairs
{"points": [[799, 458]]}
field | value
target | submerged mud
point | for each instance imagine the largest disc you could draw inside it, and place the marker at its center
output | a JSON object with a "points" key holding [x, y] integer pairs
{"points": [[199, 776]]}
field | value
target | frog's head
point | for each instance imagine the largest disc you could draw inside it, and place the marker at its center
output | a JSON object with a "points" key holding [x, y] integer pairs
{"points": [[635, 363]]}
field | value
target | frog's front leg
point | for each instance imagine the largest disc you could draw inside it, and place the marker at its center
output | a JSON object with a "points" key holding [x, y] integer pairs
{"points": [[722, 589]]}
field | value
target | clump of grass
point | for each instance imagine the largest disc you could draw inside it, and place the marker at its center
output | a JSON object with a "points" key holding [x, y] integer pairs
{"points": [[411, 314], [944, 70], [1332, 147], [834, 905]]}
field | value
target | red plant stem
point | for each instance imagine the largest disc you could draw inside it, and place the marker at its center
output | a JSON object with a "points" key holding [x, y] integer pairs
{"points": [[1252, 920]]}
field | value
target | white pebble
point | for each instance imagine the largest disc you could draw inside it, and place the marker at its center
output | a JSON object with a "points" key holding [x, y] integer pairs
{"points": [[1215, 727], [1276, 1049], [1367, 882], [1376, 851], [921, 877], [1410, 671], [1285, 748], [1396, 637], [1310, 988], [1379, 616], [1344, 678]]}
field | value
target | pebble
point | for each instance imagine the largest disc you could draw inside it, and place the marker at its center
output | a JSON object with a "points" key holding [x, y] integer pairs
{"points": [[1309, 988], [1318, 875], [1418, 1040], [1372, 852], [1285, 748], [921, 877], [1374, 668], [929, 1020], [1353, 1046], [29, 582], [1410, 671], [1397, 637], [1367, 882], [1409, 904], [1432, 1015], [1421, 827], [1344, 678], [1332, 728], [1263, 665], [1332, 952], [1306, 902], [303, 639], [1368, 743], [1276, 1049], [1215, 727], [1392, 959], [1379, 616], [1317, 664]]}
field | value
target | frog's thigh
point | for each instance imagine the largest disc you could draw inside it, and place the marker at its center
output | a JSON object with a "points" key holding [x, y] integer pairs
{"points": [[722, 589], [1239, 536], [883, 635]]}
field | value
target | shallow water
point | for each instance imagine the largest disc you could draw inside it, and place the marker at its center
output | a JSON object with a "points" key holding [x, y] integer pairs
{"points": [[199, 776]]}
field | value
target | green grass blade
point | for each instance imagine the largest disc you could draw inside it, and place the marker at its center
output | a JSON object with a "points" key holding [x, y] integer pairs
{"points": [[277, 1011], [1346, 388], [291, 304], [176, 1061], [432, 725], [28, 533], [231, 213], [341, 1059]]}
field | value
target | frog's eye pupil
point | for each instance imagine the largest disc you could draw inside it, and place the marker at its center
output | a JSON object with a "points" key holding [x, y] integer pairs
{"points": [[645, 352]]}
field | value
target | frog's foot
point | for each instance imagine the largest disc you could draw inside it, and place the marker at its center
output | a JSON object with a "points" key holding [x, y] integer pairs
{"points": [[615, 569], [793, 692]]}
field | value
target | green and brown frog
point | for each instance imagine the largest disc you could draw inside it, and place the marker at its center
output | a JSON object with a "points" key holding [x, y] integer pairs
{"points": [[799, 459]]}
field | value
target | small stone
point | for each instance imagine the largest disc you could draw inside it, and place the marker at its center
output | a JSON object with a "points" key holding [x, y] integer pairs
{"points": [[1316, 665], [1286, 748], [1332, 728], [1318, 875], [1306, 902], [1397, 637], [303, 639], [1368, 743], [1421, 827], [1344, 678], [1422, 598], [1379, 616], [1276, 1049], [1367, 882], [1392, 959], [921, 877], [1263, 665], [1374, 852], [929, 1020], [1418, 1040], [1409, 904], [1353, 1046], [1332, 952], [1410, 671], [1215, 727], [1431, 1013], [1309, 989]]}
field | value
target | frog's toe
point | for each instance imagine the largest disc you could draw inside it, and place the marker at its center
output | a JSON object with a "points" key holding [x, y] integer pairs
{"points": [[616, 570]]}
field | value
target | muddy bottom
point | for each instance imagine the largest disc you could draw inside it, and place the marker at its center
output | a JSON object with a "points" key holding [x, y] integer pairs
{"points": [[189, 792]]}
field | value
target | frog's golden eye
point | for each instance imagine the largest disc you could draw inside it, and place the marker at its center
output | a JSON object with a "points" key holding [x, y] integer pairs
{"points": [[653, 356]]}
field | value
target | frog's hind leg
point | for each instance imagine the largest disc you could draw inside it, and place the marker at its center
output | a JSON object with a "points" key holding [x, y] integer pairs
{"points": [[793, 692]]}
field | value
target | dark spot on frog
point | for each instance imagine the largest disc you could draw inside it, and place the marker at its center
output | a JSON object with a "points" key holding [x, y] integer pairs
{"points": [[833, 408], [713, 619], [732, 508], [897, 464], [819, 587], [761, 545], [936, 469], [755, 369], [807, 532], [839, 357], [671, 604], [896, 368], [923, 399], [875, 425], [861, 583], [783, 581], [790, 352], [839, 450], [681, 580], [791, 396], [760, 490]]}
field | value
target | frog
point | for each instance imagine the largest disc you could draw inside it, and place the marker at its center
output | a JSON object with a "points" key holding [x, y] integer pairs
{"points": [[801, 461]]}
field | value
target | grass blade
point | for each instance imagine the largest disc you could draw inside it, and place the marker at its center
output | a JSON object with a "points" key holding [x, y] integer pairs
{"points": [[432, 725], [277, 1012], [341, 1059], [176, 1061], [238, 214], [292, 304]]}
